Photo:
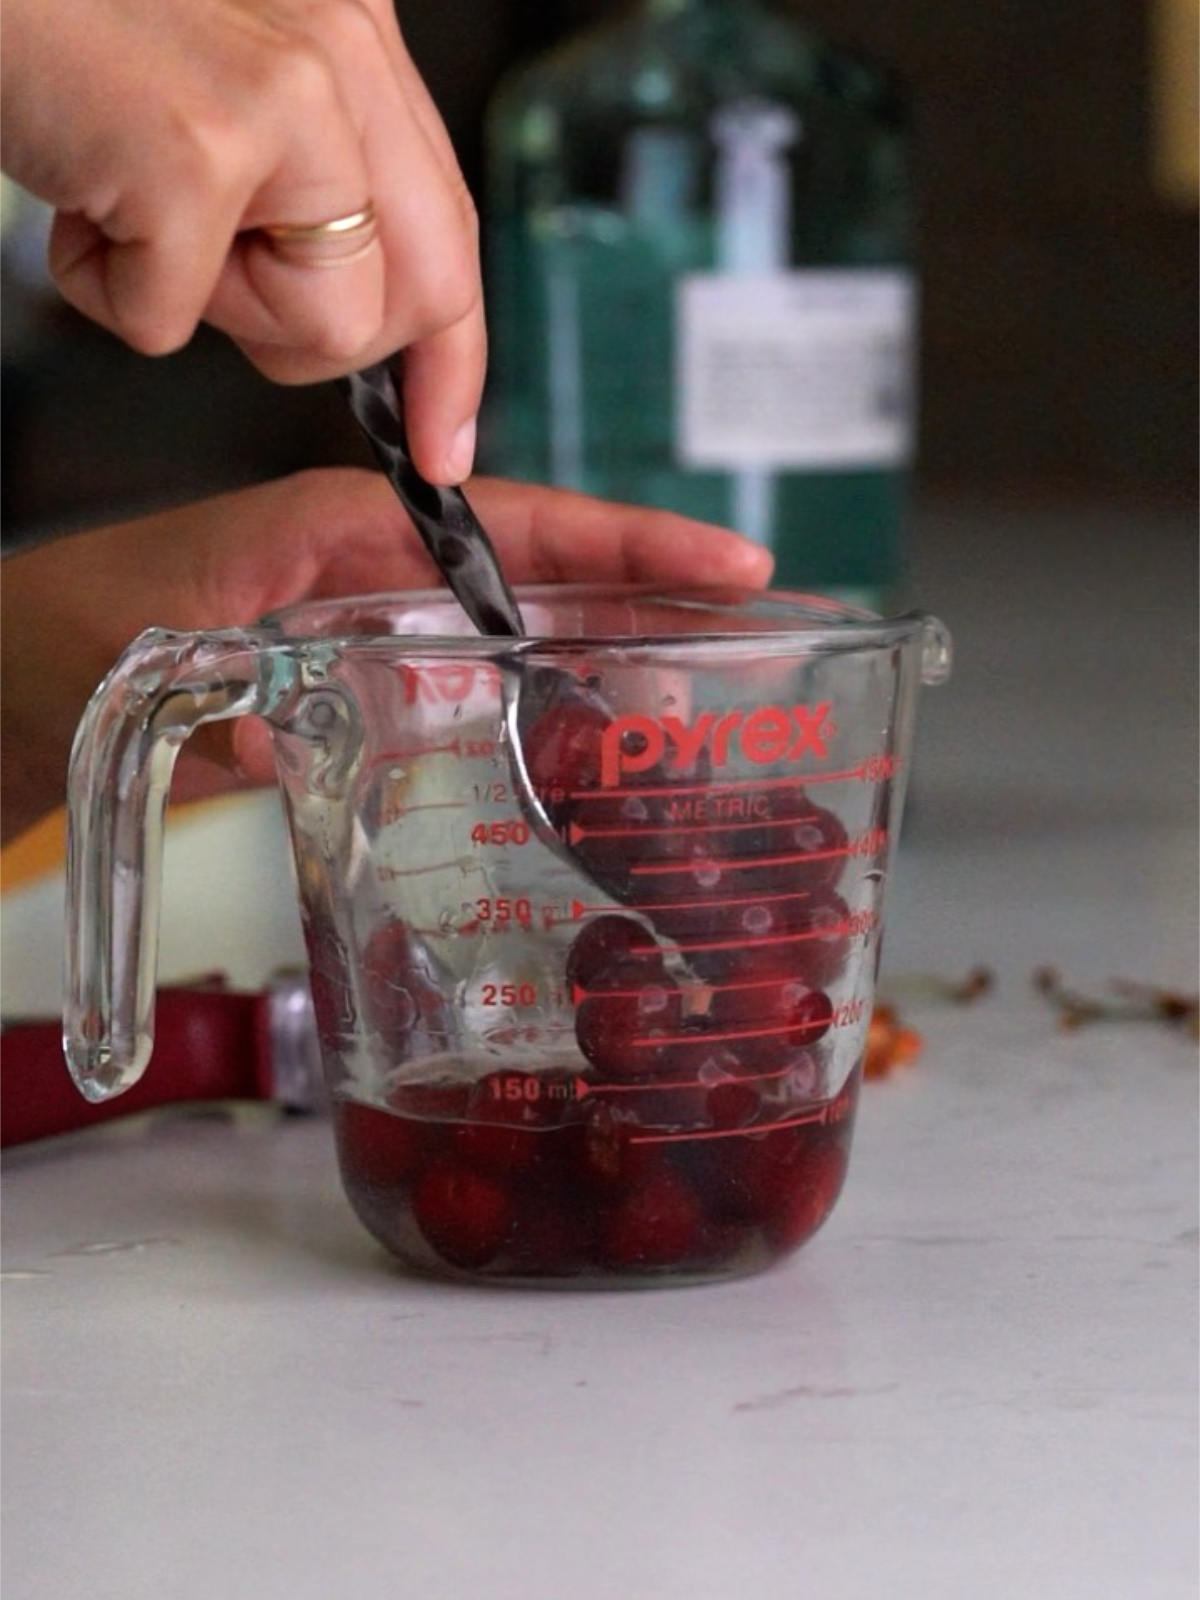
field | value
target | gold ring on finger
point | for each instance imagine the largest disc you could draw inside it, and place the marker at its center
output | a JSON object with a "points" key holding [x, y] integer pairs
{"points": [[336, 241]]}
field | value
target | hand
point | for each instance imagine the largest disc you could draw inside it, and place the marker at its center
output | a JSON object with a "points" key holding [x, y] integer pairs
{"points": [[166, 132], [70, 607]]}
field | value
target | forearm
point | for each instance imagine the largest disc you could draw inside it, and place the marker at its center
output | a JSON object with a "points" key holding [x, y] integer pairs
{"points": [[71, 607], [49, 661]]}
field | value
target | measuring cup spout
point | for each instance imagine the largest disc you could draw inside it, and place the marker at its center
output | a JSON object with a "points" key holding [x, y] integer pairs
{"points": [[937, 653]]}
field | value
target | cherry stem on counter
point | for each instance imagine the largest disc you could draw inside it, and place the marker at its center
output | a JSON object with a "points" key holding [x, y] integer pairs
{"points": [[1132, 1002]]}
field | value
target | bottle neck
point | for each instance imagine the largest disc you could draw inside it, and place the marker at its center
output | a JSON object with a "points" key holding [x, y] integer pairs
{"points": [[673, 10], [678, 8]]}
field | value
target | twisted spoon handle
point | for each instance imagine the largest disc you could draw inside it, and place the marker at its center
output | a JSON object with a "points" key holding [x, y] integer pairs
{"points": [[451, 531]]}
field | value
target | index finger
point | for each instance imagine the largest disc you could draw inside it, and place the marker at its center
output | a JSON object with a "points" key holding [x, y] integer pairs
{"points": [[558, 536]]}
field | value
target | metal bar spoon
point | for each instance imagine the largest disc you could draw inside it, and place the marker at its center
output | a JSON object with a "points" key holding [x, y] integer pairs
{"points": [[450, 530], [466, 558]]}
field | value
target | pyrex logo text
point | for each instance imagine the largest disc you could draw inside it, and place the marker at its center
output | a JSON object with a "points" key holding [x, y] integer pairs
{"points": [[769, 734]]}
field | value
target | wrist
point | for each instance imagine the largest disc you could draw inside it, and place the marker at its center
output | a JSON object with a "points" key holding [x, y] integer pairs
{"points": [[44, 656]]}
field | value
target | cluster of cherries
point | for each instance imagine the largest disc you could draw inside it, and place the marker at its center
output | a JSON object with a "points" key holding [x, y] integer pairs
{"points": [[557, 1194], [696, 1141]]}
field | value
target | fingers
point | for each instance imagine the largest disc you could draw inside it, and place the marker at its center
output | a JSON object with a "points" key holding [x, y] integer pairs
{"points": [[442, 387], [347, 534], [412, 85], [170, 166], [175, 154], [70, 607], [147, 290], [302, 298], [414, 286], [554, 535]]}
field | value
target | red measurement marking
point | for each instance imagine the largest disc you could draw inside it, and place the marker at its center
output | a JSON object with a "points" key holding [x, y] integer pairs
{"points": [[837, 930], [388, 874], [579, 995], [578, 909], [737, 863], [645, 1042], [576, 831], [800, 781], [732, 1133], [429, 805], [386, 757], [726, 900], [582, 1088]]}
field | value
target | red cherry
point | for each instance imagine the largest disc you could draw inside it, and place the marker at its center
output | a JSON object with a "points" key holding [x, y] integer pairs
{"points": [[774, 1163], [723, 1056], [614, 1029], [808, 1013], [544, 1240], [788, 1004], [562, 749], [659, 1224], [822, 838], [551, 1230], [719, 1170], [716, 904], [823, 957], [608, 1153], [464, 1214], [376, 1147], [722, 1241], [496, 1147], [754, 1177], [807, 940], [504, 1119], [433, 1104], [810, 835], [603, 949], [614, 832], [738, 973], [614, 836], [604, 1027], [796, 847], [804, 848], [797, 1078], [732, 1104], [799, 1196]]}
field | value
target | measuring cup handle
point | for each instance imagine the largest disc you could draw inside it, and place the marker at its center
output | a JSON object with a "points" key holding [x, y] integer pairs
{"points": [[163, 686]]}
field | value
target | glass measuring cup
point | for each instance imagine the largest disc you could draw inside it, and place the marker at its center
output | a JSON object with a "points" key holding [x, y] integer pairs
{"points": [[593, 1010]]}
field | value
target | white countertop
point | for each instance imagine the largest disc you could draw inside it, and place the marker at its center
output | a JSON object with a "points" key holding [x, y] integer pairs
{"points": [[979, 1379]]}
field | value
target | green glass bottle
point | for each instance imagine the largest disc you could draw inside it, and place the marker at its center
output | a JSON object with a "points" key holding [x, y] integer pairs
{"points": [[700, 287]]}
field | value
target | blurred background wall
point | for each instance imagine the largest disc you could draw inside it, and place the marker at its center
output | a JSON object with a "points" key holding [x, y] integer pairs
{"points": [[1056, 155]]}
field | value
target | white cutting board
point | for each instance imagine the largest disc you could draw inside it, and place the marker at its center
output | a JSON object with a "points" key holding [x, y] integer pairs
{"points": [[229, 905]]}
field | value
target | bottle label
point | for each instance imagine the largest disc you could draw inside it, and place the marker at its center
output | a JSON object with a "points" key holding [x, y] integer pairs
{"points": [[805, 369]]}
